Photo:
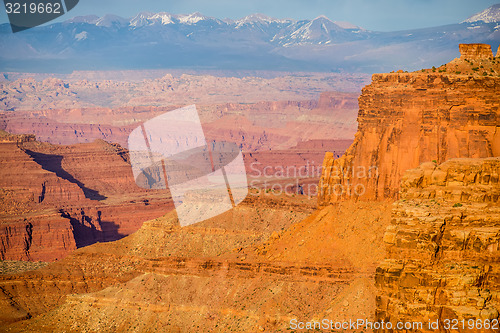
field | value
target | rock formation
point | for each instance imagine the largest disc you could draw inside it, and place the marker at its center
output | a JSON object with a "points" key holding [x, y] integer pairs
{"points": [[443, 247], [406, 119], [475, 51], [54, 199], [254, 269], [190, 262], [104, 203]]}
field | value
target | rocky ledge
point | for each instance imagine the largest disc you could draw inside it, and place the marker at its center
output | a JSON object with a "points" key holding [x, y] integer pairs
{"points": [[443, 258], [406, 119]]}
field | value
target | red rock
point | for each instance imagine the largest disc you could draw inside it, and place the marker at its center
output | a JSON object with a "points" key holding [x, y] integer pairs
{"points": [[475, 51], [68, 197], [406, 119]]}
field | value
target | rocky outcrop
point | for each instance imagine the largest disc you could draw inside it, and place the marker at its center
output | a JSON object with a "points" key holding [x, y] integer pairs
{"points": [[443, 247], [406, 119], [54, 199], [31, 229], [475, 51]]}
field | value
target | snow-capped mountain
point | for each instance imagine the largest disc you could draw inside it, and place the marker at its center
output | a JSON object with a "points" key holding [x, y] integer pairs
{"points": [[163, 18], [318, 31], [111, 20], [166, 40], [260, 20], [489, 15], [285, 32]]}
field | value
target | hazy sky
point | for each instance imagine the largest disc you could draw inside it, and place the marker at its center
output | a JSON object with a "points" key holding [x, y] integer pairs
{"points": [[381, 15]]}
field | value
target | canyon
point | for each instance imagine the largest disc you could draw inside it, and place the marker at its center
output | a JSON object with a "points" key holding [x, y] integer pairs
{"points": [[83, 151], [413, 234]]}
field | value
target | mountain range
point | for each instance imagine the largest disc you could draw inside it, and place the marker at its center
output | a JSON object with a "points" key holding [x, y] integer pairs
{"points": [[255, 42]]}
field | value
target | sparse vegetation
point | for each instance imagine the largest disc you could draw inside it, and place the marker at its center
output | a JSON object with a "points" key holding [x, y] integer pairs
{"points": [[458, 204]]}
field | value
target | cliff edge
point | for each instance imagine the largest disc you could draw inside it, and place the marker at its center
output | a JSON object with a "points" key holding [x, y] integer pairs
{"points": [[443, 260], [406, 119]]}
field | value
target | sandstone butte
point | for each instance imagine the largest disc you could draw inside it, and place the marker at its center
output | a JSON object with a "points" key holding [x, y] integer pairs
{"points": [[422, 243], [50, 203], [406, 119]]}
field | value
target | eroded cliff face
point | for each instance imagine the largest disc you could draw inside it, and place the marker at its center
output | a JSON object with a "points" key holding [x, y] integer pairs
{"points": [[443, 246], [54, 199], [31, 229], [406, 119]]}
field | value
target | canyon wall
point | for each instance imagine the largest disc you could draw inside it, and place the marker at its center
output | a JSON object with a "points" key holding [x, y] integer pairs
{"points": [[54, 199], [430, 140], [406, 119], [87, 192], [443, 247]]}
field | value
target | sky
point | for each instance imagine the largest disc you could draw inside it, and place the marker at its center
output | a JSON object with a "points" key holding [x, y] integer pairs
{"points": [[378, 15]]}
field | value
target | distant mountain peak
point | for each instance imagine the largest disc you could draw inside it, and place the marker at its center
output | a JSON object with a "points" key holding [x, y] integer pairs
{"points": [[258, 18], [322, 17], [489, 15], [90, 19], [194, 18], [109, 20], [164, 18]]}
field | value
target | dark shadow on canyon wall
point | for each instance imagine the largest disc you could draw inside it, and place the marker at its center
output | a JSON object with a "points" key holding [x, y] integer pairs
{"points": [[53, 164]]}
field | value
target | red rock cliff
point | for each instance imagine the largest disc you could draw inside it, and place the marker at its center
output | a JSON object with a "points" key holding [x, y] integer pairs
{"points": [[405, 119], [443, 247]]}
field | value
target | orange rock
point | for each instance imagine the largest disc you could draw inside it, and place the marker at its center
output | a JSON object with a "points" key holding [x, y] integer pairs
{"points": [[442, 245], [475, 51], [406, 119]]}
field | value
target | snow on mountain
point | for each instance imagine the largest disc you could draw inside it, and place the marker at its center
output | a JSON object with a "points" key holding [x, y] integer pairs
{"points": [[489, 15], [164, 40], [260, 19], [163, 18], [90, 19], [141, 19], [194, 18], [81, 36], [318, 31], [109, 20]]}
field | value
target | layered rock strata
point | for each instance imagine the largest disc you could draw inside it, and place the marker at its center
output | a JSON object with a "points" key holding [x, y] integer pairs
{"points": [[406, 119], [443, 248], [54, 199]]}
